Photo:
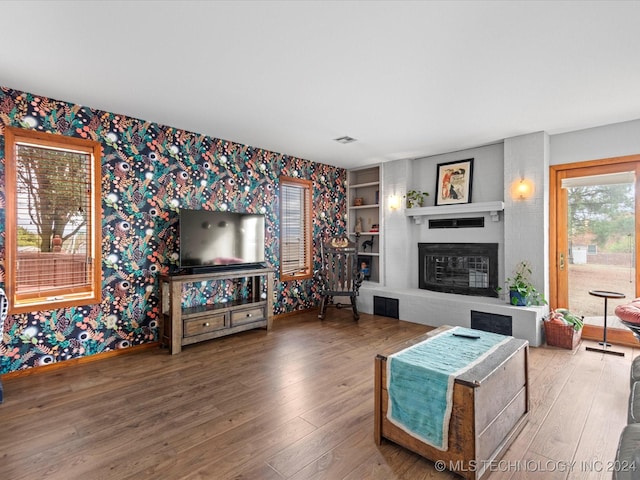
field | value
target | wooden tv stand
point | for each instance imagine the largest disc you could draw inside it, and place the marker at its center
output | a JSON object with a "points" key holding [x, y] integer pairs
{"points": [[186, 325]]}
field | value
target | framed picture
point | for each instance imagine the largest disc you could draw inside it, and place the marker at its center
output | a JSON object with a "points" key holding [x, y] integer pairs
{"points": [[454, 182]]}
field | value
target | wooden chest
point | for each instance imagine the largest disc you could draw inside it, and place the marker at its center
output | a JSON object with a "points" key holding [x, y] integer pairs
{"points": [[490, 406]]}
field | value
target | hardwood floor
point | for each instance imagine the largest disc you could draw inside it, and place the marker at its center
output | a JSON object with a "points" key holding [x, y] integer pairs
{"points": [[292, 403]]}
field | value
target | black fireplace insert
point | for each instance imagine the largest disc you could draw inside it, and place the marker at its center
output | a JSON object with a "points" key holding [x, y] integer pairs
{"points": [[464, 268]]}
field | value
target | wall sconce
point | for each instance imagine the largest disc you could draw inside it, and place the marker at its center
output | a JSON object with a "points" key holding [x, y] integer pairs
{"points": [[521, 189], [394, 202]]}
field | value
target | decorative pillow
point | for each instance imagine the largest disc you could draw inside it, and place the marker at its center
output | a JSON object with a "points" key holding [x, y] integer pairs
{"points": [[629, 312]]}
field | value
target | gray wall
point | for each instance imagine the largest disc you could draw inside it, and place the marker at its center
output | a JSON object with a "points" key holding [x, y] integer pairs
{"points": [[522, 232], [608, 141], [402, 235], [529, 155]]}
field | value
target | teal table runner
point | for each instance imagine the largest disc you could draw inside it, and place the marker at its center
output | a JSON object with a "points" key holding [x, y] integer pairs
{"points": [[420, 381]]}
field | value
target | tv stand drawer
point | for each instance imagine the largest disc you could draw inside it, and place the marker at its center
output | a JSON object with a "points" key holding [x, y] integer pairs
{"points": [[247, 315], [204, 324]]}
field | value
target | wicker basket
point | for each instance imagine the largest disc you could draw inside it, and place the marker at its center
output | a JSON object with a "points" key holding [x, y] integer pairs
{"points": [[563, 336]]}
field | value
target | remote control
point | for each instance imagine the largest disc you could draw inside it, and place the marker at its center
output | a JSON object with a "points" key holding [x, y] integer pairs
{"points": [[466, 335]]}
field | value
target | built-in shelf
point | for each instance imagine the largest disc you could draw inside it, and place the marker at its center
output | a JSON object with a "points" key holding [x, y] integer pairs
{"points": [[494, 209], [364, 190], [359, 207], [367, 184]]}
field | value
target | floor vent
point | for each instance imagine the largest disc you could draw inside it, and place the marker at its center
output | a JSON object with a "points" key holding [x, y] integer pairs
{"points": [[386, 307], [492, 322]]}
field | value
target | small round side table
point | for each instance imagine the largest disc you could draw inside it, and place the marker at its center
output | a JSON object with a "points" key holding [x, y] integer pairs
{"points": [[606, 295]]}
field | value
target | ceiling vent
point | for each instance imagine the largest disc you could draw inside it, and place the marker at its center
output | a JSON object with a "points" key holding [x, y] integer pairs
{"points": [[346, 139]]}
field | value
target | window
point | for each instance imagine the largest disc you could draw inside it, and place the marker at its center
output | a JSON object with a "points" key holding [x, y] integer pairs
{"points": [[52, 221], [295, 228]]}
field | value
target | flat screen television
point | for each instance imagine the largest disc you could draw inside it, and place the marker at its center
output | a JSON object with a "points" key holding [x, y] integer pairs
{"points": [[214, 240]]}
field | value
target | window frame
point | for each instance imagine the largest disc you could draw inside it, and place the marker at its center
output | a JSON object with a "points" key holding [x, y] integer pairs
{"points": [[87, 294], [307, 186]]}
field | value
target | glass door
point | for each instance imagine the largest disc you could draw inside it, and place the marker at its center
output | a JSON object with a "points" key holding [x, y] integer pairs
{"points": [[595, 244], [601, 237]]}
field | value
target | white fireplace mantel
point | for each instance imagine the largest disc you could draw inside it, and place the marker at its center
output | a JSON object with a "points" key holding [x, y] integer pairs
{"points": [[494, 208]]}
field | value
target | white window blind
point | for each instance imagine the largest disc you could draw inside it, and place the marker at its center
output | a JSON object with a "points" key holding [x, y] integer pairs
{"points": [[53, 218], [295, 201]]}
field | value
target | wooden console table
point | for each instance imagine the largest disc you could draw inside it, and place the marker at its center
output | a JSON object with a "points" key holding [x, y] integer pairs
{"points": [[490, 406], [186, 325]]}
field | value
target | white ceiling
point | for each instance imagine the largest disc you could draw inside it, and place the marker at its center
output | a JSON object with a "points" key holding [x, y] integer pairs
{"points": [[406, 79]]}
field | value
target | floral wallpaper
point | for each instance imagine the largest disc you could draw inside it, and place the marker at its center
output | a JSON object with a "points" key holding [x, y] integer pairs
{"points": [[149, 172]]}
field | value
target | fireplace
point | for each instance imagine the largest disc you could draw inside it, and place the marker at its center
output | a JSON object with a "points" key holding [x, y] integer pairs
{"points": [[464, 268]]}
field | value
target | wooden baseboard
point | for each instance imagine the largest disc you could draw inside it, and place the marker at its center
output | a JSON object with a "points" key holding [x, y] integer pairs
{"points": [[80, 361]]}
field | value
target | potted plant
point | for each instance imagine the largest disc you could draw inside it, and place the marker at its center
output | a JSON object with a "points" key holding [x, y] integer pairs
{"points": [[415, 198], [521, 290]]}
